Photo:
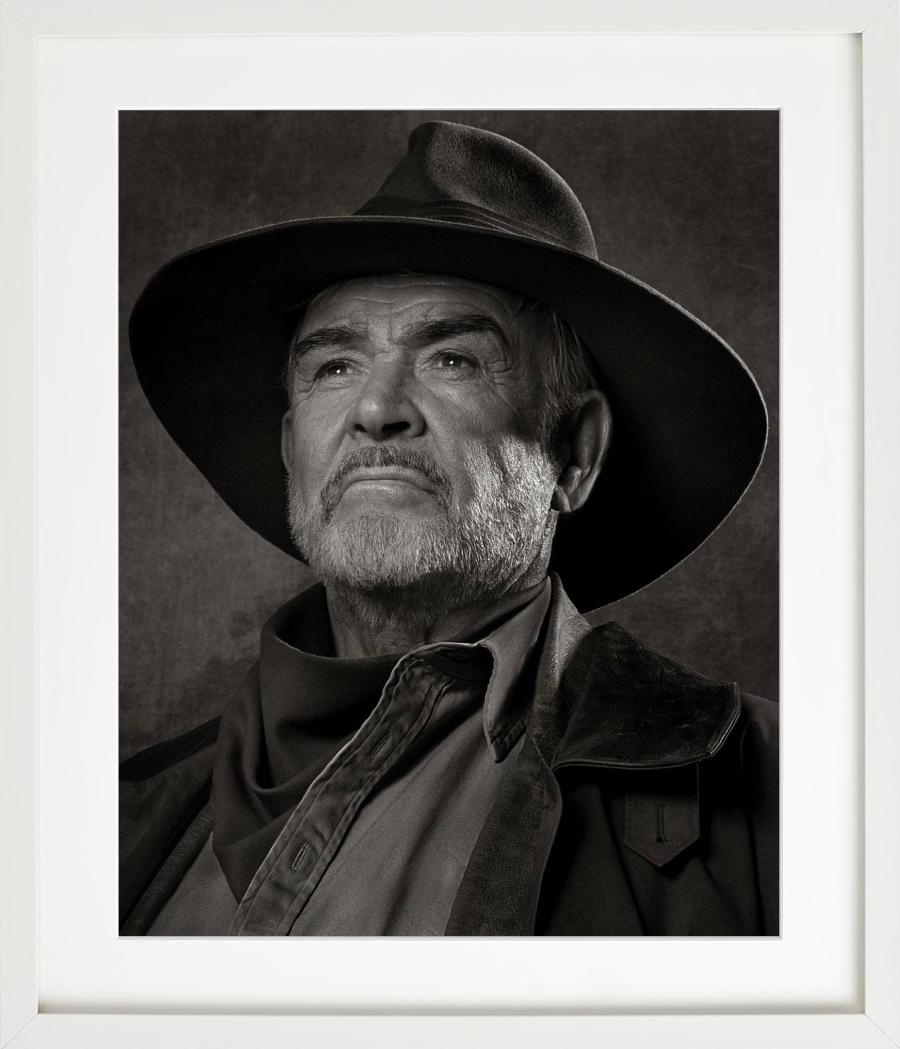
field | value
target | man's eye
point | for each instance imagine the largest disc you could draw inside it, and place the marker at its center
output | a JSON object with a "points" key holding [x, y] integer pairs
{"points": [[333, 370], [451, 361]]}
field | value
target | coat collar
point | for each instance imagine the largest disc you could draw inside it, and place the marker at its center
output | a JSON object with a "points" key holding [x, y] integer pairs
{"points": [[603, 699]]}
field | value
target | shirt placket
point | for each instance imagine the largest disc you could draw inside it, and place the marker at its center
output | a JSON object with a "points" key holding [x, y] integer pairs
{"points": [[313, 833]]}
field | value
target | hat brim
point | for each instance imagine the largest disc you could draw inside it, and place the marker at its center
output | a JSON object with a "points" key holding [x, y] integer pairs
{"points": [[209, 337]]}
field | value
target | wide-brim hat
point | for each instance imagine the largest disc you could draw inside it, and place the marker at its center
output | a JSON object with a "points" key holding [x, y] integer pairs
{"points": [[211, 330]]}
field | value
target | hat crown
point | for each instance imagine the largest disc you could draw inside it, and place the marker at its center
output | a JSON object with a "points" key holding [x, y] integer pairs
{"points": [[456, 173]]}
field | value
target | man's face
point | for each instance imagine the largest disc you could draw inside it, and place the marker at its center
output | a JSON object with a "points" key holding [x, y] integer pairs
{"points": [[412, 441]]}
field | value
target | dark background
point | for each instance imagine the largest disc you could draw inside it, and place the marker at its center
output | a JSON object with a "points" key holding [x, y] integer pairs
{"points": [[687, 202]]}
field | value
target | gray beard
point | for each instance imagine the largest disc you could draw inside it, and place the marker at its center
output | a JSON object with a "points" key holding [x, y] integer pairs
{"points": [[392, 565]]}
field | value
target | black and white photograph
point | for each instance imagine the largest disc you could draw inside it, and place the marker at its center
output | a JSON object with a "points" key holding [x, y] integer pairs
{"points": [[449, 523]]}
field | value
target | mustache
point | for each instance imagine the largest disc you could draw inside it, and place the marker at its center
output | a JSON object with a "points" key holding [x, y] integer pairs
{"points": [[379, 457]]}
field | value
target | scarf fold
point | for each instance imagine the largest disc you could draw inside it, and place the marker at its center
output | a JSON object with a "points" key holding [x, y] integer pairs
{"points": [[295, 710]]}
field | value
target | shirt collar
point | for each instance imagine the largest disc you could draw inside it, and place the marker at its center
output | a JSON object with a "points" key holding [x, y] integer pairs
{"points": [[512, 645]]}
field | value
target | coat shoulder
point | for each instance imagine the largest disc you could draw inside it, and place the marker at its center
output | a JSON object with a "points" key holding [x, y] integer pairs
{"points": [[161, 790], [159, 757], [761, 718]]}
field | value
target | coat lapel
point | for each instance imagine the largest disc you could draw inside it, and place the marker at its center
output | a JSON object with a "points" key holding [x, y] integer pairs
{"points": [[499, 891]]}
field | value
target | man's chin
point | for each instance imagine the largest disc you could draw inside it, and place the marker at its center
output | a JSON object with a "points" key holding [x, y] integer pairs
{"points": [[381, 552]]}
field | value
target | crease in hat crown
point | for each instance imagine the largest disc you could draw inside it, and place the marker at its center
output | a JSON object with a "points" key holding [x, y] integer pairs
{"points": [[463, 174]]}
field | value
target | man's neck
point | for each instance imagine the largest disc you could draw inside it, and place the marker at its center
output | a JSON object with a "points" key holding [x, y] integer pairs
{"points": [[361, 627]]}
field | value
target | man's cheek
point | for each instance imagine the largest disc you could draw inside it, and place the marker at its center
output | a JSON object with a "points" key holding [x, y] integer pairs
{"points": [[312, 468]]}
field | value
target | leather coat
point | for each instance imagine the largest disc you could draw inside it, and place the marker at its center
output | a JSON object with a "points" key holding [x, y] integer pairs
{"points": [[644, 801]]}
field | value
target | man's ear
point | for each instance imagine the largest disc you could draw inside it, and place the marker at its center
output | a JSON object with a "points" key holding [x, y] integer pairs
{"points": [[287, 442], [584, 441]]}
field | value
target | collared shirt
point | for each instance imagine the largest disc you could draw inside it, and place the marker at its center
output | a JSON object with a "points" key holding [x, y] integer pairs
{"points": [[387, 817]]}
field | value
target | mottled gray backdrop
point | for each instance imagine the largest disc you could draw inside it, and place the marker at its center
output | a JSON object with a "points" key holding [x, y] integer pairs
{"points": [[686, 201]]}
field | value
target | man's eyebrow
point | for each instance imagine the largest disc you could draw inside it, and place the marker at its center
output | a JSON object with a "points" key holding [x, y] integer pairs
{"points": [[337, 335], [452, 327], [421, 334]]}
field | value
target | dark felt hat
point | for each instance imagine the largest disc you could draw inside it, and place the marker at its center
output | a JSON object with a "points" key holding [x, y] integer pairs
{"points": [[210, 333]]}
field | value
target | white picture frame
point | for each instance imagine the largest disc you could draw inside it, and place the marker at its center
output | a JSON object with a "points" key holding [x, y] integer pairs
{"points": [[874, 1020]]}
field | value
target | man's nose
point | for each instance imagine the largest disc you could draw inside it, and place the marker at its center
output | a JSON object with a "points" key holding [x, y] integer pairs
{"points": [[384, 407]]}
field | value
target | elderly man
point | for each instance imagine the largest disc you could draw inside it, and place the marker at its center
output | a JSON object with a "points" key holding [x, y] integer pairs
{"points": [[482, 423]]}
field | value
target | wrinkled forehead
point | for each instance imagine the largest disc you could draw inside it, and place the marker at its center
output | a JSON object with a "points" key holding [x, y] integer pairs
{"points": [[401, 299]]}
